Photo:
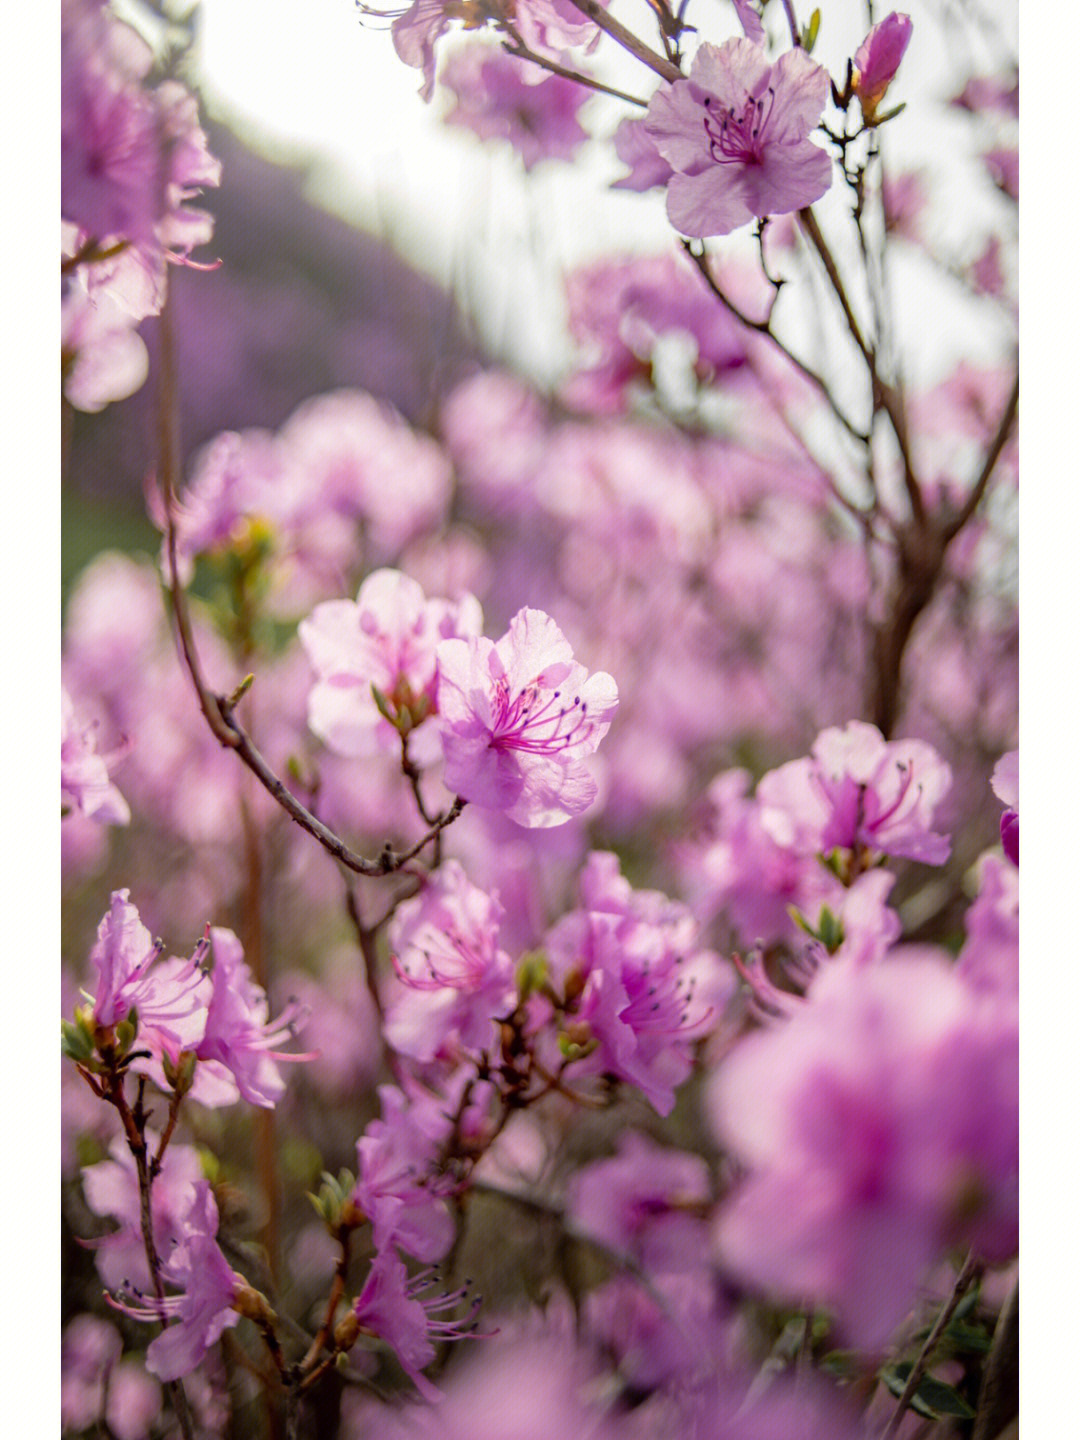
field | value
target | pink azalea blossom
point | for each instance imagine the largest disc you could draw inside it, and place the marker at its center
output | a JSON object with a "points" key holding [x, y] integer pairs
{"points": [[84, 774], [750, 21], [620, 309], [550, 27], [111, 1188], [205, 1308], [648, 1201], [631, 961], [386, 638], [857, 789], [736, 132], [398, 1309], [170, 996], [237, 1054], [877, 61], [456, 979], [498, 98], [879, 1128], [517, 718], [990, 957], [1005, 784], [397, 1185]]}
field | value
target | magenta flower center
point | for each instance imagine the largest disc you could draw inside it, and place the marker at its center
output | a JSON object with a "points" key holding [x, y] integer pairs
{"points": [[537, 721], [736, 137]]}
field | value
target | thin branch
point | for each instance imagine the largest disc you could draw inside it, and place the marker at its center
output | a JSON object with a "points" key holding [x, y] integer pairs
{"points": [[519, 49], [970, 1269], [884, 396], [978, 490], [793, 24], [764, 327], [666, 69]]}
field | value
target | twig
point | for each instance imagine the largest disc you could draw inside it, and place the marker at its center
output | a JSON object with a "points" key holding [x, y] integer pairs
{"points": [[884, 396], [764, 327], [968, 1272], [665, 68], [519, 49]]}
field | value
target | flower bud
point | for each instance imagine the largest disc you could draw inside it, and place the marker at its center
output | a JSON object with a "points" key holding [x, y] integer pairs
{"points": [[877, 61], [346, 1331]]}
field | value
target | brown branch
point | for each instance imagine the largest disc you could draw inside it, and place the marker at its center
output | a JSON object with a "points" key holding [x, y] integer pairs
{"points": [[978, 490], [337, 1290], [666, 69], [764, 327], [883, 396], [521, 51], [970, 1269]]}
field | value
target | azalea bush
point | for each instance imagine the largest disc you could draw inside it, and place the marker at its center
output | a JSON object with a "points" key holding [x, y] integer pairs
{"points": [[583, 829]]}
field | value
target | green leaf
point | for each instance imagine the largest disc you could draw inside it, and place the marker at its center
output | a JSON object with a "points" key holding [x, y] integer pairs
{"points": [[932, 1398]]}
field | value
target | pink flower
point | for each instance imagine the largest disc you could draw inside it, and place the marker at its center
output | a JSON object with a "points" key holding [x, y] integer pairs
{"points": [[84, 774], [877, 61], [393, 1306], [111, 1188], [857, 789], [516, 719], [498, 98], [750, 21], [548, 26], [386, 638], [205, 1309], [879, 1128], [1005, 784], [458, 981], [170, 997], [630, 966], [236, 1054], [647, 1201], [620, 309], [397, 1185], [737, 134]]}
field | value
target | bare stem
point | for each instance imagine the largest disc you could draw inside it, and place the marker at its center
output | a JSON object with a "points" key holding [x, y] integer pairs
{"points": [[764, 327], [970, 1269], [134, 1123], [665, 68], [883, 396], [978, 490], [516, 46]]}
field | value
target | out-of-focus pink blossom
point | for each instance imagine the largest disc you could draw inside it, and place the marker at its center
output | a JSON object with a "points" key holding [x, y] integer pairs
{"points": [[111, 1188], [237, 1054], [84, 774], [397, 1186], [990, 958], [877, 61], [170, 997], [736, 132], [878, 1126], [635, 147], [857, 789], [89, 1351], [1005, 784], [399, 1310], [904, 198], [386, 638], [517, 718], [631, 963], [457, 981], [620, 309], [1003, 164], [999, 93], [498, 98], [550, 27], [102, 358], [648, 1201]]}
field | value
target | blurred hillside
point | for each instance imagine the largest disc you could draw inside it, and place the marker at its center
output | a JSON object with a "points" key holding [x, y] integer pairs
{"points": [[302, 303]]}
